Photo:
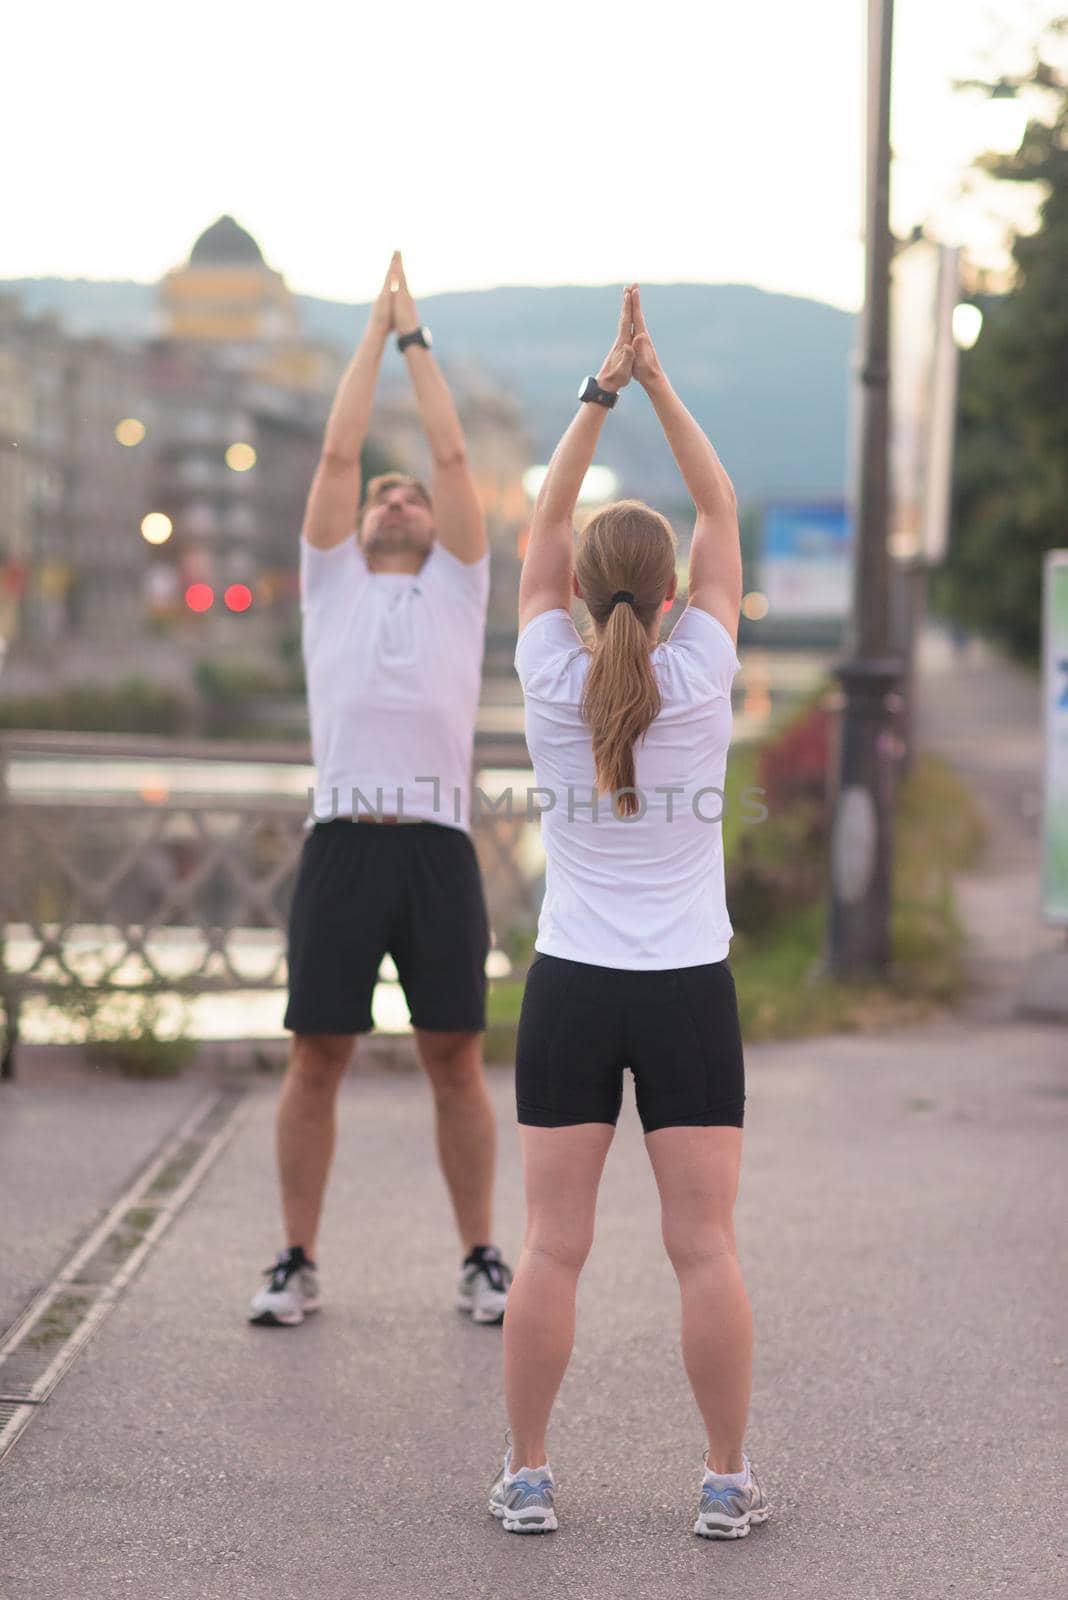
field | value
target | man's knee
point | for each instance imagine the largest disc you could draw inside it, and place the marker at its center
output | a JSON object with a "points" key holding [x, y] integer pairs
{"points": [[452, 1061], [317, 1061]]}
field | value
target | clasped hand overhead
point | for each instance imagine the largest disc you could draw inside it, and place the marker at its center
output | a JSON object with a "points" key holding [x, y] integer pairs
{"points": [[395, 311], [632, 354]]}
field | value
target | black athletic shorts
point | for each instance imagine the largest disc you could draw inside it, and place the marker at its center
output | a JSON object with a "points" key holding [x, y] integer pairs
{"points": [[676, 1029], [412, 889]]}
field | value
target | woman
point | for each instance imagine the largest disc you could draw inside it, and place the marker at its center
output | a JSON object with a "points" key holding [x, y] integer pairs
{"points": [[629, 737]]}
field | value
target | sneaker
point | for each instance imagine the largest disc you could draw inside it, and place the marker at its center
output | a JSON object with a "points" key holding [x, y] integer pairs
{"points": [[291, 1291], [727, 1509], [483, 1285], [522, 1502]]}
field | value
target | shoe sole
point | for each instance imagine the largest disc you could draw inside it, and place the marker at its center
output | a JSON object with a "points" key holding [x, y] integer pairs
{"points": [[730, 1530], [484, 1317], [273, 1319], [537, 1522], [487, 1317]]}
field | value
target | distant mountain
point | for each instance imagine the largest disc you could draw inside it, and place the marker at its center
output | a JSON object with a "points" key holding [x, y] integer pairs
{"points": [[766, 374]]}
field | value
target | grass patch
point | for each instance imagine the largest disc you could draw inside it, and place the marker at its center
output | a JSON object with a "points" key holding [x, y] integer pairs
{"points": [[782, 992], [177, 1168], [58, 1322]]}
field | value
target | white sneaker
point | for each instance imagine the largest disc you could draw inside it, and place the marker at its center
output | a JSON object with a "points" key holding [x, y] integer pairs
{"points": [[727, 1510], [291, 1291], [483, 1286], [523, 1502]]}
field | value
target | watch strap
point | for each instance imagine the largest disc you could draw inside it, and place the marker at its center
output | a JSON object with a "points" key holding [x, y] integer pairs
{"points": [[591, 390]]}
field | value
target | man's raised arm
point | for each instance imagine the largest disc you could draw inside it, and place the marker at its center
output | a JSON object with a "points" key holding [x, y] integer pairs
{"points": [[715, 581], [334, 497], [459, 521]]}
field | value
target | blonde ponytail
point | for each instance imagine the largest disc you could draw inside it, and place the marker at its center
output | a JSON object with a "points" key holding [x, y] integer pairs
{"points": [[631, 548]]}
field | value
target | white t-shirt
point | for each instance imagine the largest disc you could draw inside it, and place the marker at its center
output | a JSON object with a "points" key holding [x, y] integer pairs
{"points": [[645, 891], [394, 667]]}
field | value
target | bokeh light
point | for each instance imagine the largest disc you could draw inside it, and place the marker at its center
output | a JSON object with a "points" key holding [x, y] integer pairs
{"points": [[157, 527], [237, 597], [240, 457], [1004, 120], [755, 606], [129, 431], [967, 325], [200, 597]]}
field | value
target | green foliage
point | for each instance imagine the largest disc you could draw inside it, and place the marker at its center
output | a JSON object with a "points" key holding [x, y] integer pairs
{"points": [[132, 706], [143, 1033], [221, 682], [1012, 457]]}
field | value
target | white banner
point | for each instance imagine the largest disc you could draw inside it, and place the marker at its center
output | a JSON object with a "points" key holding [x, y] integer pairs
{"points": [[1055, 695]]}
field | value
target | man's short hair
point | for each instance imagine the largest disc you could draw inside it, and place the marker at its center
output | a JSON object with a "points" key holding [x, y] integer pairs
{"points": [[389, 480]]}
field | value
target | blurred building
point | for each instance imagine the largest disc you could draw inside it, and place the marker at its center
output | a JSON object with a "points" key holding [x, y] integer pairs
{"points": [[70, 493], [227, 297], [232, 459], [151, 493]]}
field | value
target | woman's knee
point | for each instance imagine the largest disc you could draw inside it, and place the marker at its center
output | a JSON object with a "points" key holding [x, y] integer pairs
{"points": [[691, 1247], [555, 1247]]}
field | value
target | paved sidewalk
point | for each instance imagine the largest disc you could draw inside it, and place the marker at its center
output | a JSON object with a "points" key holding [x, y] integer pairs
{"points": [[895, 1222], [900, 1225], [984, 714]]}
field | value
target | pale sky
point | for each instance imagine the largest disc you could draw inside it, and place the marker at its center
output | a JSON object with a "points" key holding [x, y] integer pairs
{"points": [[568, 141]]}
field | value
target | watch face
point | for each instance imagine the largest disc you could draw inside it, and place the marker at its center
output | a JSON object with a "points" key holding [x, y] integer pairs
{"points": [[583, 386], [427, 340]]}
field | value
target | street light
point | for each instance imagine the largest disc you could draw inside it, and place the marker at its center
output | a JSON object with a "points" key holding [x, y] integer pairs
{"points": [[967, 325], [156, 527], [858, 924], [1004, 119]]}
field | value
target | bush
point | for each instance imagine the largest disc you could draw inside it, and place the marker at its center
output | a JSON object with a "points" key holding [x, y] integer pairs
{"points": [[225, 682], [778, 866], [793, 765], [142, 1032], [133, 706]]}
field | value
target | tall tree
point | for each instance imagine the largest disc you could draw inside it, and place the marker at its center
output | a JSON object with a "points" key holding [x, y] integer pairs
{"points": [[1011, 489]]}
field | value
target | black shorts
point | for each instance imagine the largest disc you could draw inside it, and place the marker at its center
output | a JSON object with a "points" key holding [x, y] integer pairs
{"points": [[677, 1030], [365, 889]]}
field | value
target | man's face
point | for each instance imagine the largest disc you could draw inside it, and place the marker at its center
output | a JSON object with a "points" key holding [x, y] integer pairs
{"points": [[397, 521]]}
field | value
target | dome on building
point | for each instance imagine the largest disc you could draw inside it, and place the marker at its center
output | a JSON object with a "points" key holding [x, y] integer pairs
{"points": [[226, 243]]}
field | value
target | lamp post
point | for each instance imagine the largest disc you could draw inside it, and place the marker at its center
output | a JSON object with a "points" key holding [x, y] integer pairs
{"points": [[858, 931]]}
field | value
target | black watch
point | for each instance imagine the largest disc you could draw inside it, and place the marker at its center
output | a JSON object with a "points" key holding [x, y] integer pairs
{"points": [[590, 389], [417, 336]]}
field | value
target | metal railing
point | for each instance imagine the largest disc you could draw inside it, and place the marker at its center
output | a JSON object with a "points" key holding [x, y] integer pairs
{"points": [[152, 865]]}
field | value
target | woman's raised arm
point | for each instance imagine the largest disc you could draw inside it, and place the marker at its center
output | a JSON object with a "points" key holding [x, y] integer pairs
{"points": [[715, 581], [545, 583]]}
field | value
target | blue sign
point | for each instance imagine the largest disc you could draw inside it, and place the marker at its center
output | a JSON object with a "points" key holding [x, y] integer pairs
{"points": [[806, 559]]}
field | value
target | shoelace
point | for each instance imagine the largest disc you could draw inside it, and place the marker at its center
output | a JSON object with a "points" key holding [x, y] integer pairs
{"points": [[280, 1273], [494, 1271]]}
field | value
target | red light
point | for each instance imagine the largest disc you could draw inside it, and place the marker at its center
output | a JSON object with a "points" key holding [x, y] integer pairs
{"points": [[238, 597], [200, 597]]}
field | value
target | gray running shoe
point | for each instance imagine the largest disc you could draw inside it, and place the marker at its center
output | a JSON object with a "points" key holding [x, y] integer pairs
{"points": [[523, 1502], [290, 1293], [482, 1290], [727, 1511]]}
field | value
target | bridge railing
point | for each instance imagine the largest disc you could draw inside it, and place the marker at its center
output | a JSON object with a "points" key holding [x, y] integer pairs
{"points": [[148, 864]]}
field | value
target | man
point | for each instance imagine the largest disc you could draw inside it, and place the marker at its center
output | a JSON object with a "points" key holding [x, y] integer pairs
{"points": [[393, 633]]}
